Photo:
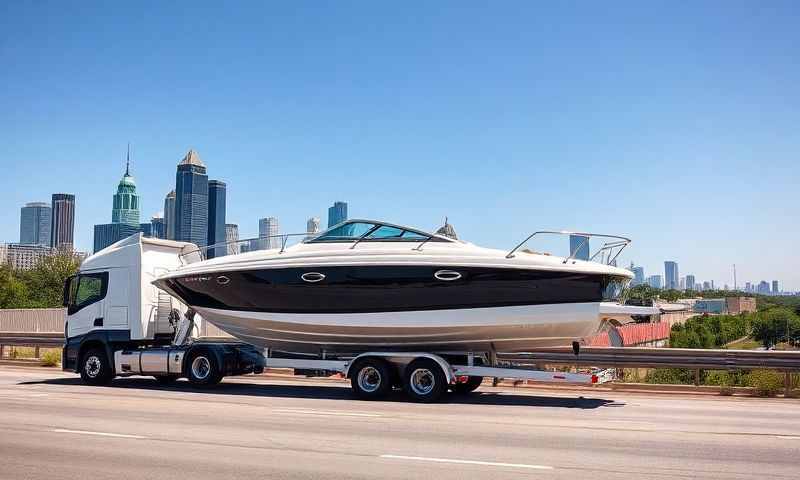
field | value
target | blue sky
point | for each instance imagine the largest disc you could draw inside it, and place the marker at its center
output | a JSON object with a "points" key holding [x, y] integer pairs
{"points": [[675, 124]]}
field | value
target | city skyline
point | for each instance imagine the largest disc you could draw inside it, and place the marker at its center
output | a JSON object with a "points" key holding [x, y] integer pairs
{"points": [[520, 128]]}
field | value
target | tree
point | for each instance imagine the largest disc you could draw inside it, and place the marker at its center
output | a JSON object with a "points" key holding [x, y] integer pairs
{"points": [[45, 281], [13, 292], [774, 325]]}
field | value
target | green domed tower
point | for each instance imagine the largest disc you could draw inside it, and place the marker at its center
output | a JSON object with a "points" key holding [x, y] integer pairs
{"points": [[126, 200]]}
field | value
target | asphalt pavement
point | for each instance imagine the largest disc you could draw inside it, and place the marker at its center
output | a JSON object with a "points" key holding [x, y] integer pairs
{"points": [[53, 427]]}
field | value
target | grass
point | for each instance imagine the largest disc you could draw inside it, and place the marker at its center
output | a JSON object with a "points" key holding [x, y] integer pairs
{"points": [[746, 344], [49, 357]]}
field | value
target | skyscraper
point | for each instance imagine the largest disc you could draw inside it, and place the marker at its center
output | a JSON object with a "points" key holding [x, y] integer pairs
{"points": [[62, 222], [337, 213], [267, 229], [763, 287], [231, 237], [312, 225], [654, 281], [107, 233], [670, 275], [34, 224], [126, 200], [690, 281], [638, 276], [191, 200], [169, 215], [158, 227], [579, 247], [775, 289], [216, 218]]}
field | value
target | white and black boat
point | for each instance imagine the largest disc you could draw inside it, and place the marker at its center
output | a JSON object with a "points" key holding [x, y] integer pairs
{"points": [[364, 285]]}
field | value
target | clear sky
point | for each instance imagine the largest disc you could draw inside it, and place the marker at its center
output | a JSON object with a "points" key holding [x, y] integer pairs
{"points": [[675, 123]]}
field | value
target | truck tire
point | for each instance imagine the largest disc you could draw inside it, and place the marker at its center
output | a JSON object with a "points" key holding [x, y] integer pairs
{"points": [[469, 386], [371, 378], [202, 369], [95, 367], [424, 380]]}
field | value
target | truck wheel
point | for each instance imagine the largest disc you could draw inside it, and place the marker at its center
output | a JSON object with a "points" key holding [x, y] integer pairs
{"points": [[371, 378], [95, 367], [202, 369], [469, 386], [424, 380]]}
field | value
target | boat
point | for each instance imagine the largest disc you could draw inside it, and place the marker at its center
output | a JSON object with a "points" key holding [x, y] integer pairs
{"points": [[366, 285]]}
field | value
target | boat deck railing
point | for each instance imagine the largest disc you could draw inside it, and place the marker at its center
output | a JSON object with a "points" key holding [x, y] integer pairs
{"points": [[606, 254], [235, 247]]}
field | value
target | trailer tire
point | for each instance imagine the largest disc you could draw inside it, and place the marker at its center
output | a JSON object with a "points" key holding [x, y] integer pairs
{"points": [[202, 369], [95, 367], [371, 378], [470, 385], [424, 380]]}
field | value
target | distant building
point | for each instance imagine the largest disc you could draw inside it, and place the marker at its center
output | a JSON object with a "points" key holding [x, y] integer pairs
{"points": [[671, 275], [748, 287], [169, 215], [447, 230], [312, 225], [23, 257], [711, 305], [654, 281], [231, 238], [158, 227], [34, 224], [146, 229], [638, 276], [579, 247], [107, 233], [216, 218], [775, 289], [337, 213], [737, 305], [690, 282], [267, 230], [126, 201], [763, 287], [62, 221], [191, 200], [682, 283]]}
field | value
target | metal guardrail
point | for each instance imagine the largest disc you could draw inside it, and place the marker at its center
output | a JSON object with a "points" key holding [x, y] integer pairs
{"points": [[627, 357], [18, 339]]}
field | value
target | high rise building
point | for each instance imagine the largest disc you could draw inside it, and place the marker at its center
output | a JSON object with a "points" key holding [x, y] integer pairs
{"points": [[231, 238], [62, 221], [337, 213], [682, 283], [748, 287], [126, 200], [267, 229], [169, 215], [706, 285], [34, 224], [216, 218], [23, 257], [107, 233], [158, 227], [775, 289], [579, 247], [654, 281], [690, 281], [312, 225], [638, 276], [191, 200], [671, 275], [763, 287]]}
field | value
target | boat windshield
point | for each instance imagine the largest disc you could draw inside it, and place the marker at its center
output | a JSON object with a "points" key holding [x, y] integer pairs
{"points": [[368, 231]]}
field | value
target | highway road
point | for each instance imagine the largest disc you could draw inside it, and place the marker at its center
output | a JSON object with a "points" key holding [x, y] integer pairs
{"points": [[53, 427]]}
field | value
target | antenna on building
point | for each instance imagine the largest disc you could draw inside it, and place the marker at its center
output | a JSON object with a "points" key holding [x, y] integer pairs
{"points": [[128, 161]]}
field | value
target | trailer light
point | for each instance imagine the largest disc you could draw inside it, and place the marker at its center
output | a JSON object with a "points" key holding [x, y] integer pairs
{"points": [[594, 379]]}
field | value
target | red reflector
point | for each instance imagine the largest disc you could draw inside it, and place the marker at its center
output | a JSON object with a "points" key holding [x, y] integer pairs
{"points": [[594, 379], [559, 377]]}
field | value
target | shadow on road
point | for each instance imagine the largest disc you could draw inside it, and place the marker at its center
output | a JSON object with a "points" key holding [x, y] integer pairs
{"points": [[340, 392]]}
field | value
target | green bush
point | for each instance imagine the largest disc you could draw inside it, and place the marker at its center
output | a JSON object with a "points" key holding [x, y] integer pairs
{"points": [[766, 383], [722, 379], [670, 376], [50, 358]]}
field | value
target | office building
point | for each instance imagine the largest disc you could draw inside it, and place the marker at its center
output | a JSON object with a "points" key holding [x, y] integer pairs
{"points": [[748, 287], [337, 213], [126, 201], [62, 221], [763, 288], [34, 224], [775, 289], [216, 218], [706, 285], [670, 275], [107, 233], [23, 257], [158, 227], [191, 200], [638, 276], [169, 215], [690, 281], [231, 238], [654, 281], [312, 225], [267, 231], [579, 247]]}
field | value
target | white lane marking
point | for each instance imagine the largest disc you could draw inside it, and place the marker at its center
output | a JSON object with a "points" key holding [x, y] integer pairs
{"points": [[101, 434], [325, 412], [468, 462]]}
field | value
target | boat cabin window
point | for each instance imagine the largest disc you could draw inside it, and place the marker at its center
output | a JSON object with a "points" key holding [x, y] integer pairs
{"points": [[346, 232], [371, 232]]}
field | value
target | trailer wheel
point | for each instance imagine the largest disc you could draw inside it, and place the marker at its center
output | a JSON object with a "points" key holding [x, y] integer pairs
{"points": [[371, 378], [95, 367], [470, 385], [202, 369], [424, 380]]}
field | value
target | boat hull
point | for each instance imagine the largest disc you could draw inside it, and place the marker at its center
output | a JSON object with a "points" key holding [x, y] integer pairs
{"points": [[502, 329]]}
